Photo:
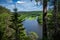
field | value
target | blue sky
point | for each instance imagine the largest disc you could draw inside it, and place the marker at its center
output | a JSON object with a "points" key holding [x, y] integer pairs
{"points": [[22, 5]]}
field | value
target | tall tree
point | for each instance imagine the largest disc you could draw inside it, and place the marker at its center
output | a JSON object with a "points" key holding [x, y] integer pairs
{"points": [[56, 34], [55, 12], [44, 19], [18, 26]]}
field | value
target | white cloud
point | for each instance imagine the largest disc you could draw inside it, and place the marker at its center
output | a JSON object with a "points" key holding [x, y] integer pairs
{"points": [[20, 2], [23, 6]]}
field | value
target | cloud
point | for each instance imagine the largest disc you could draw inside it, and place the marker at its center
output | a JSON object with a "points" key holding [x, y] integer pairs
{"points": [[23, 6], [20, 2]]}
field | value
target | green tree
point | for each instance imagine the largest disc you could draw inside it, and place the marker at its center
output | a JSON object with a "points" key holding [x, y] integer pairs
{"points": [[33, 36], [17, 25], [4, 15]]}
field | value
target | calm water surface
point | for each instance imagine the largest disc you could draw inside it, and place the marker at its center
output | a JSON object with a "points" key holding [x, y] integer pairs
{"points": [[33, 26]]}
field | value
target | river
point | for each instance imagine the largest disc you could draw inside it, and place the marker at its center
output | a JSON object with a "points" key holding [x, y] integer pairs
{"points": [[33, 26]]}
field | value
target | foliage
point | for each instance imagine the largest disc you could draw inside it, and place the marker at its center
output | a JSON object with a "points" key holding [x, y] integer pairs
{"points": [[4, 16], [4, 10], [8, 25], [33, 36], [40, 20]]}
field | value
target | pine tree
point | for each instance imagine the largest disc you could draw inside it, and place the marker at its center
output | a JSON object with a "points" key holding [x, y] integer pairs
{"points": [[17, 26]]}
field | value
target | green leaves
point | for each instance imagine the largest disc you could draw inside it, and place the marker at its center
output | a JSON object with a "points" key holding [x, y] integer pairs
{"points": [[3, 23]]}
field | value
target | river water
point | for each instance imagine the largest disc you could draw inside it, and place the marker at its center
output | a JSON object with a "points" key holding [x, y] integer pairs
{"points": [[33, 26]]}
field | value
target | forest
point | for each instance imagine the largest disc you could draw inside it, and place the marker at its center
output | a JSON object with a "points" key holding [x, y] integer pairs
{"points": [[31, 25]]}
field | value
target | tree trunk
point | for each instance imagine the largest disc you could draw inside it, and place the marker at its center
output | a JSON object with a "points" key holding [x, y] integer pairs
{"points": [[44, 20], [56, 34], [55, 11]]}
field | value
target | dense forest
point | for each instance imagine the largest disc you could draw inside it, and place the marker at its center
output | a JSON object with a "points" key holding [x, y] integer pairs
{"points": [[11, 27]]}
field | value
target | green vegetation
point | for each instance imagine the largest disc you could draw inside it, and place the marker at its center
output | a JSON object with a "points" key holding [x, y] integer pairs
{"points": [[10, 21], [11, 26]]}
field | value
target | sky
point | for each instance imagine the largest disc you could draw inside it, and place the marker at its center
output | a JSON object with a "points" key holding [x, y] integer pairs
{"points": [[22, 5]]}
